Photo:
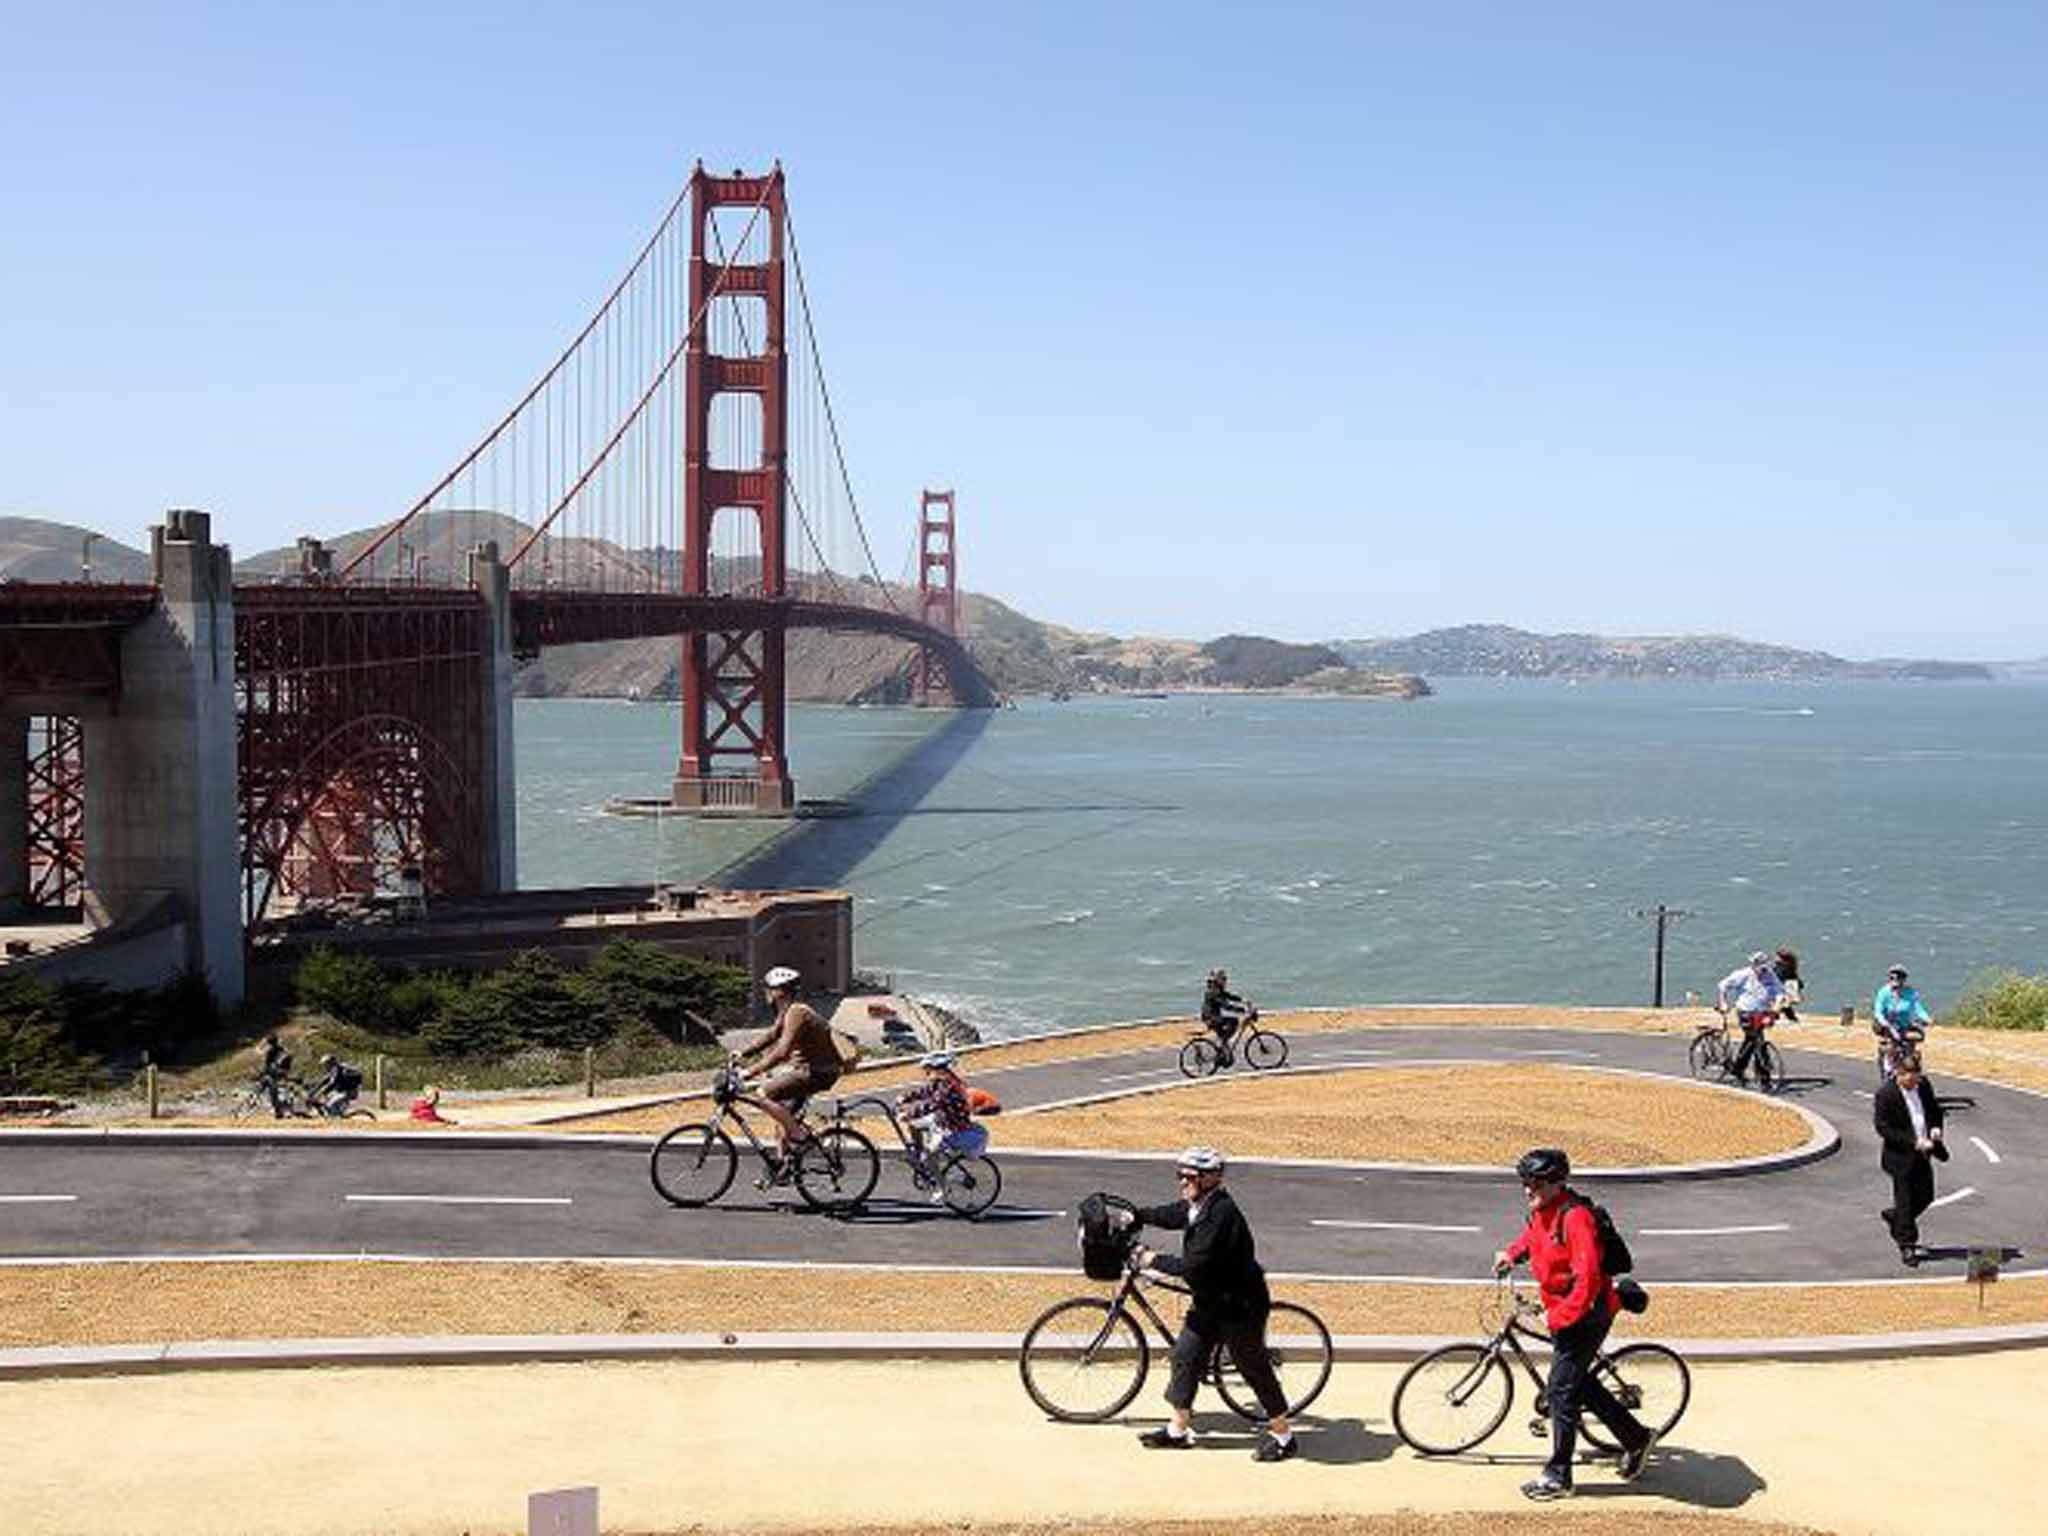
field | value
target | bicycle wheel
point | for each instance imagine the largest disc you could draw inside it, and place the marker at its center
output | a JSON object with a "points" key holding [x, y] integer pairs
{"points": [[1452, 1398], [1651, 1382], [252, 1101], [1200, 1057], [970, 1184], [1264, 1050], [360, 1114], [1302, 1355], [1770, 1067], [693, 1165], [1082, 1361], [1707, 1055], [837, 1168]]}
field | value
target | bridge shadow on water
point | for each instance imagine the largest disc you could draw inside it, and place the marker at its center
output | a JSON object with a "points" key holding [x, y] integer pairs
{"points": [[824, 849]]}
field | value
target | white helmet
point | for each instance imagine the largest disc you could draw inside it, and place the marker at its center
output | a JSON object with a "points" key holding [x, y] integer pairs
{"points": [[781, 976], [937, 1061], [1759, 958], [1199, 1160]]}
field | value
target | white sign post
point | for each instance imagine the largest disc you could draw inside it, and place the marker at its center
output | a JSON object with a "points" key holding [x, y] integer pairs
{"points": [[562, 1512]]}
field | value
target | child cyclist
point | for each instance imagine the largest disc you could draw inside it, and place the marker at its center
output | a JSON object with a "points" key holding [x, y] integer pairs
{"points": [[938, 1115]]}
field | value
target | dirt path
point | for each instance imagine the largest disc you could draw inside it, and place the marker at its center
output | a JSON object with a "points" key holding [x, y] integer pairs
{"points": [[724, 1446]]}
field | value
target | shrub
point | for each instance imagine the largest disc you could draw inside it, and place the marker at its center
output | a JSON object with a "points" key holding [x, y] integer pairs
{"points": [[531, 1002], [349, 987], [416, 999], [662, 990], [2003, 1000], [36, 1053]]}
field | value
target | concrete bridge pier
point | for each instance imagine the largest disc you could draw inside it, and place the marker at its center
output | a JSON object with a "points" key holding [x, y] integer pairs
{"points": [[160, 816]]}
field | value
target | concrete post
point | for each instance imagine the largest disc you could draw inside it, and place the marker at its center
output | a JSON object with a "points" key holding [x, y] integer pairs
{"points": [[500, 862], [161, 809], [13, 813]]}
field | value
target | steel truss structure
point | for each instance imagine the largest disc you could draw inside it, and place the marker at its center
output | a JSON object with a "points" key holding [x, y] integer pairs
{"points": [[56, 812], [361, 716], [937, 587]]}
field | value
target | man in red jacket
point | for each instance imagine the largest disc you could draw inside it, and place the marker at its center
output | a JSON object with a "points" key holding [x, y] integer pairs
{"points": [[1562, 1245]]}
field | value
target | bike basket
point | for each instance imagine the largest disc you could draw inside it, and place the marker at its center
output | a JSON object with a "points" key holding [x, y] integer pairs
{"points": [[1106, 1230]]}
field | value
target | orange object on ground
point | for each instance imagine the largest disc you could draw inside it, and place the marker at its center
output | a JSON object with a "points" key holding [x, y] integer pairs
{"points": [[981, 1102]]}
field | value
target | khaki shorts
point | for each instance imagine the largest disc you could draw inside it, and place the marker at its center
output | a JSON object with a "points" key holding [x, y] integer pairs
{"points": [[791, 1085]]}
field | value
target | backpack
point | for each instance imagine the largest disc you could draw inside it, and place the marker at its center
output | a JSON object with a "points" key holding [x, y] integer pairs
{"points": [[981, 1102], [1105, 1233], [1615, 1259], [848, 1047]]}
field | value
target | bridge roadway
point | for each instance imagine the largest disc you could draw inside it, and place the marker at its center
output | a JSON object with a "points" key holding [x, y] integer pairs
{"points": [[585, 1198]]}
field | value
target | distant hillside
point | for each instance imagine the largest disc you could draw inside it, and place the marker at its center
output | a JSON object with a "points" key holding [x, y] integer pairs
{"points": [[1495, 650], [33, 549]]}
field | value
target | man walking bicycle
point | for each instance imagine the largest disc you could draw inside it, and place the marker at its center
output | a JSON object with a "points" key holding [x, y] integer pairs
{"points": [[1562, 1245], [1230, 1302]]}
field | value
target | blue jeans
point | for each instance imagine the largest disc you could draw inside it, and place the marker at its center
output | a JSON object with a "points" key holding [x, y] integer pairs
{"points": [[1573, 1388]]}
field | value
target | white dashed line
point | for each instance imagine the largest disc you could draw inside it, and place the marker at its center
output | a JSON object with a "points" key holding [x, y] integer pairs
{"points": [[1861, 1094], [460, 1199], [1985, 1147], [1711, 1231], [1962, 1194], [35, 1199], [1393, 1226]]}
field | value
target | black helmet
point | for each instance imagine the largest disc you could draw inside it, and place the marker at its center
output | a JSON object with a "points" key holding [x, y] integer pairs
{"points": [[1543, 1165]]}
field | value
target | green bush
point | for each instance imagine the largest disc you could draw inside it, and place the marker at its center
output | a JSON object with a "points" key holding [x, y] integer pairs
{"points": [[2003, 1000], [37, 1055], [643, 982], [532, 1002], [349, 987]]}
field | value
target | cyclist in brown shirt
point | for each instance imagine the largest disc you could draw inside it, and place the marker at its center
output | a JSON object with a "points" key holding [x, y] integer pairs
{"points": [[801, 1046]]}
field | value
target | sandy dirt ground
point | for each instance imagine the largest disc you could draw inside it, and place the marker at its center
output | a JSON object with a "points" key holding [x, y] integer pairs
{"points": [[1463, 1114], [147, 1303], [723, 1446], [1570, 1520]]}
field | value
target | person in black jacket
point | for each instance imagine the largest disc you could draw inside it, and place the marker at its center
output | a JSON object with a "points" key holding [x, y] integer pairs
{"points": [[1908, 1120], [1229, 1303]]}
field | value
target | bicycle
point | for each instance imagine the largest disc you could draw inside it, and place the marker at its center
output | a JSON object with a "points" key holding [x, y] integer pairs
{"points": [[1714, 1049], [1453, 1398], [1889, 1042], [1205, 1054], [1085, 1359], [968, 1182], [835, 1169]]}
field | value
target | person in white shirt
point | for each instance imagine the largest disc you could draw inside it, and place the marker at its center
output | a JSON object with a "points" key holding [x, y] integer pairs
{"points": [[1754, 994]]}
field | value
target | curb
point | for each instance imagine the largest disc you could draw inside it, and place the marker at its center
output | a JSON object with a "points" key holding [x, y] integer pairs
{"points": [[513, 1349]]}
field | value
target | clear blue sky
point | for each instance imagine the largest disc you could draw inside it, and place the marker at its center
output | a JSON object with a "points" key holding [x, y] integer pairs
{"points": [[1313, 321]]}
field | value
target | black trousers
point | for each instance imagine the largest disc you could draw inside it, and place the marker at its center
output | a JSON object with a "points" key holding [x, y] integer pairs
{"points": [[1573, 1389], [1912, 1193], [1752, 1037], [1247, 1345]]}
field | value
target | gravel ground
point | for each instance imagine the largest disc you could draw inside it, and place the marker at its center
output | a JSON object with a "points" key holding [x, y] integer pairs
{"points": [[1576, 1522], [133, 1303], [1461, 1114]]}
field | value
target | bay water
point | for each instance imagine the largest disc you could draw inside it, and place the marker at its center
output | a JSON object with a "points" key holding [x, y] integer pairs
{"points": [[1062, 863]]}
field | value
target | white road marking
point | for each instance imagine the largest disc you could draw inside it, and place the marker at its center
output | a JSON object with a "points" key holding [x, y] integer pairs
{"points": [[1985, 1147], [460, 1199], [35, 1199], [1125, 1077], [1962, 1194], [1779, 1226], [1394, 1226], [1862, 1094]]}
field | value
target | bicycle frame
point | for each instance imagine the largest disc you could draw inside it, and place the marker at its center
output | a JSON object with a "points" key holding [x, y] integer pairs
{"points": [[728, 1114], [1506, 1341]]}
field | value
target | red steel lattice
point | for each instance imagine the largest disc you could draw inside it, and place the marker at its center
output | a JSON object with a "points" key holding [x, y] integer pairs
{"points": [[56, 811]]}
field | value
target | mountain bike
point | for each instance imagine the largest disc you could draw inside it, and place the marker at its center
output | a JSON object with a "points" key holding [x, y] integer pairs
{"points": [[1205, 1054], [835, 1169], [287, 1098], [1453, 1398], [1714, 1047], [1084, 1360], [968, 1182]]}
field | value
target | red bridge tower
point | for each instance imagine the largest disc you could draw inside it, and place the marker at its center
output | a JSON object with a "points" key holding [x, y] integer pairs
{"points": [[733, 680], [937, 586]]}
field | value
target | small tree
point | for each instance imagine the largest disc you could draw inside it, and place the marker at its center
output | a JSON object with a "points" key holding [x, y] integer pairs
{"points": [[643, 982], [348, 987], [35, 1054]]}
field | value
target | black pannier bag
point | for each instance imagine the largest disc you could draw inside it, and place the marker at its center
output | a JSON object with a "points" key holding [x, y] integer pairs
{"points": [[1106, 1230]]}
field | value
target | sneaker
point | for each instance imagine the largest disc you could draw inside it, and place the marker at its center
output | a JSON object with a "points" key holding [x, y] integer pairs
{"points": [[1270, 1449], [1164, 1439], [937, 1196], [1910, 1255], [1545, 1488], [1630, 1467]]}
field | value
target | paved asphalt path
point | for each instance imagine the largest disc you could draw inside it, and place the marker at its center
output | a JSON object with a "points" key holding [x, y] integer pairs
{"points": [[571, 1199]]}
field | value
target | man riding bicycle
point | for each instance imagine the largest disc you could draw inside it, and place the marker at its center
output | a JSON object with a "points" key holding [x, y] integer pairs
{"points": [[938, 1113], [1223, 1011], [801, 1045], [1229, 1301], [1562, 1245], [338, 1086], [1754, 994], [1895, 1011]]}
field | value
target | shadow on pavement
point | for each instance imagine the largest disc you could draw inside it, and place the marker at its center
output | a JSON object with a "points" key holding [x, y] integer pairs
{"points": [[1699, 1478], [1333, 1442], [906, 1213]]}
